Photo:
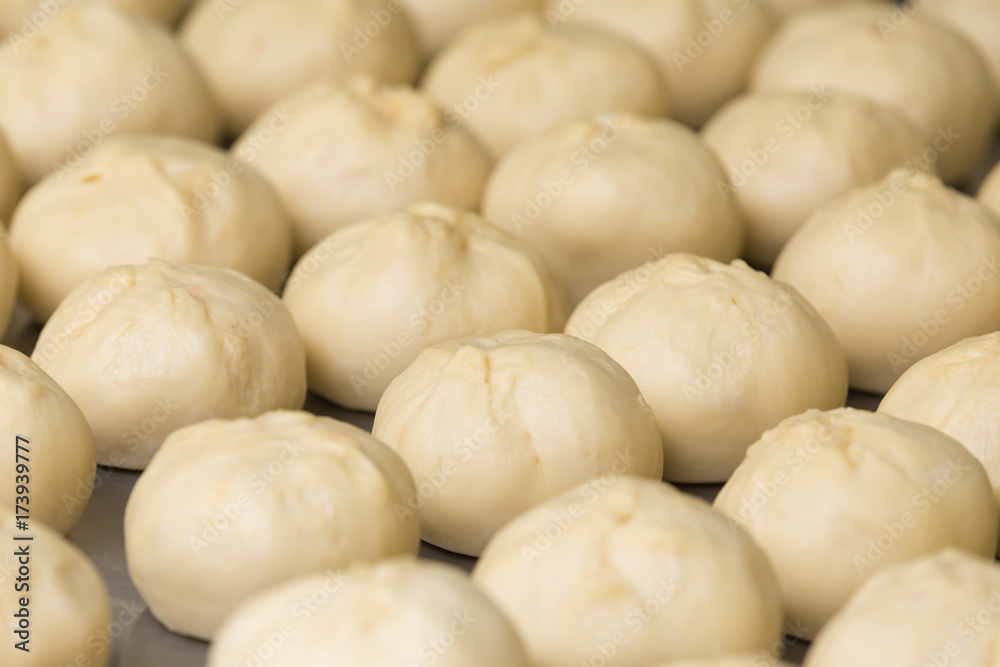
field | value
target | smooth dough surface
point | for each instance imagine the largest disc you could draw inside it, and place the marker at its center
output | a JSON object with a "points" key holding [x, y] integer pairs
{"points": [[784, 9], [601, 196], [926, 72], [9, 282], [145, 350], [68, 606], [92, 72], [431, 612], [634, 568], [348, 153], [899, 269], [943, 609], [976, 20], [59, 445], [788, 153], [989, 191], [512, 78], [410, 280], [258, 51], [493, 426], [956, 391], [229, 508], [704, 49], [835, 497], [437, 21], [138, 198], [25, 17], [769, 356]]}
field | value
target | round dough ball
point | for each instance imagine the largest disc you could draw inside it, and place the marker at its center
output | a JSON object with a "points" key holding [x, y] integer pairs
{"points": [[437, 21], [956, 391], [789, 153], [40, 417], [136, 198], [8, 282], [989, 191], [339, 154], [703, 49], [27, 17], [452, 275], [784, 9], [513, 78], [940, 610], [92, 72], [145, 350], [922, 70], [769, 356], [834, 497], [227, 509], [491, 427], [428, 609], [900, 269], [255, 52], [68, 606], [976, 20], [600, 196], [634, 568], [11, 186]]}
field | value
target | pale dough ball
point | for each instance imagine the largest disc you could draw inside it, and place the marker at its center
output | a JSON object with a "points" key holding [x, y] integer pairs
{"points": [[92, 72], [922, 70], [956, 391], [68, 606], [452, 275], [989, 191], [784, 9], [254, 52], [11, 186], [834, 497], [437, 21], [600, 196], [491, 427], [339, 154], [513, 78], [54, 439], [789, 153], [632, 571], [145, 350], [8, 282], [704, 49], [976, 20], [899, 269], [389, 613], [26, 18], [940, 610], [721, 352], [227, 509], [136, 198]]}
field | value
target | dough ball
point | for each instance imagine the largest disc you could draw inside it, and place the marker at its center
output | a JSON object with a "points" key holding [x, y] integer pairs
{"points": [[227, 509], [92, 72], [956, 391], [834, 497], [145, 350], [788, 153], [11, 186], [26, 17], [976, 20], [900, 269], [255, 52], [784, 9], [925, 72], [452, 275], [8, 282], [989, 192], [703, 49], [513, 78], [428, 610], [136, 198], [491, 427], [939, 610], [68, 608], [339, 154], [40, 417], [769, 356], [632, 569], [437, 21], [600, 196]]}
